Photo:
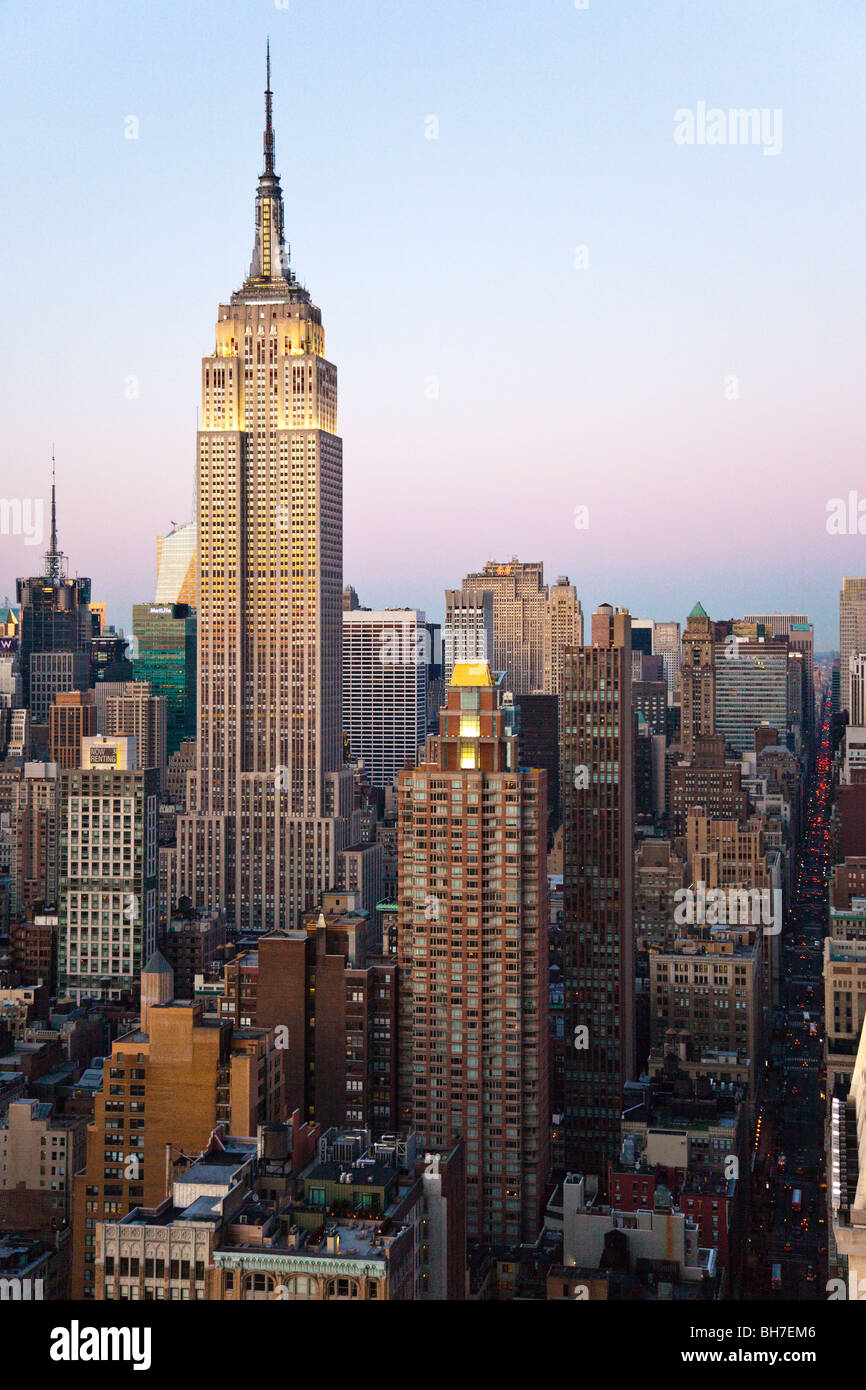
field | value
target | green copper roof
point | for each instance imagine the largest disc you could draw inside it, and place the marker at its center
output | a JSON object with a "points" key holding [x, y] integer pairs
{"points": [[699, 611]]}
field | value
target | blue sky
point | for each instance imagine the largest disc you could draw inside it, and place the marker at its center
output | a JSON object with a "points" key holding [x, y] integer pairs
{"points": [[452, 261]]}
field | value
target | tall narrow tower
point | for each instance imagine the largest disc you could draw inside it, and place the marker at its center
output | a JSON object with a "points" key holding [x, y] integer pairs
{"points": [[473, 952], [698, 679], [598, 918], [269, 799]]}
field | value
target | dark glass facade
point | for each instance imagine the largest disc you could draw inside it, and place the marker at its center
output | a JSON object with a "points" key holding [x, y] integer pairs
{"points": [[165, 654], [55, 617]]}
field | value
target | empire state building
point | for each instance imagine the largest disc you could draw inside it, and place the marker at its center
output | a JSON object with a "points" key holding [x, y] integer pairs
{"points": [[269, 804]]}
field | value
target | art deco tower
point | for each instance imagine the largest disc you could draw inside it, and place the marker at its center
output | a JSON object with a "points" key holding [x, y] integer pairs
{"points": [[268, 799]]}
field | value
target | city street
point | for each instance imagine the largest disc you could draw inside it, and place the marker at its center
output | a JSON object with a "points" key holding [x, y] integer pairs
{"points": [[789, 1193]]}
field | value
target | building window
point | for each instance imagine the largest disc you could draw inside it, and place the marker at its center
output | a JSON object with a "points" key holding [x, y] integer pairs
{"points": [[468, 756]]}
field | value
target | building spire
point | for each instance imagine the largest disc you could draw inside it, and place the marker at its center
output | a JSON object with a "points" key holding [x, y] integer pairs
{"points": [[53, 502], [53, 557], [269, 128], [270, 260]]}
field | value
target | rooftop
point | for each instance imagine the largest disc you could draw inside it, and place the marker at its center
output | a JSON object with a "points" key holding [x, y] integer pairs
{"points": [[339, 1240], [157, 965], [472, 674], [366, 1172]]}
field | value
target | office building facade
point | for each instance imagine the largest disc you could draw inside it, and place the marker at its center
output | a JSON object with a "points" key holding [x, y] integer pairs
{"points": [[166, 657], [385, 669]]}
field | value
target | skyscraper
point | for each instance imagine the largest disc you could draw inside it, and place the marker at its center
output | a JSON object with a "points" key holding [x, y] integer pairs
{"points": [[165, 647], [852, 632], [598, 920], [643, 635], [666, 644], [801, 638], [468, 631], [519, 616], [385, 666], [56, 630], [531, 626], [698, 678], [98, 608], [563, 628], [269, 801], [750, 688], [177, 566], [857, 707], [472, 949], [108, 883], [35, 840]]}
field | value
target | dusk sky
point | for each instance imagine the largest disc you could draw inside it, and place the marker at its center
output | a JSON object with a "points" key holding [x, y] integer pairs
{"points": [[492, 377]]}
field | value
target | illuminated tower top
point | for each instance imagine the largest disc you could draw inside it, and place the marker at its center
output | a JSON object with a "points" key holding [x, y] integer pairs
{"points": [[269, 268]]}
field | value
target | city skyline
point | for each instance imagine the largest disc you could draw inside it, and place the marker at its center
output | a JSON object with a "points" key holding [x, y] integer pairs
{"points": [[649, 330], [433, 869]]}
